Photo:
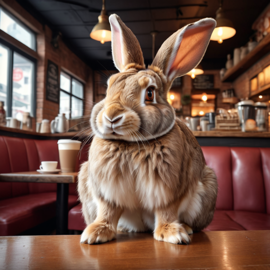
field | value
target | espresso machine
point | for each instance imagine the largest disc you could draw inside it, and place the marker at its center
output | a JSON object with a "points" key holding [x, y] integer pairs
{"points": [[261, 116], [246, 111]]}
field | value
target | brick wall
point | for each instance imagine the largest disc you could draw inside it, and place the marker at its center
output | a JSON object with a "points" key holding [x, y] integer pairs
{"points": [[70, 63]]}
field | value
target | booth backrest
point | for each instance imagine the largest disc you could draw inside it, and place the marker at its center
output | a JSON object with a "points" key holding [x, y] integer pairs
{"points": [[243, 176], [22, 155]]}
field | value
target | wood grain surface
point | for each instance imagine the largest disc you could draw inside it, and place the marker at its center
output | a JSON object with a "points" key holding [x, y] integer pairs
{"points": [[29, 132], [37, 177], [232, 133], [208, 250]]}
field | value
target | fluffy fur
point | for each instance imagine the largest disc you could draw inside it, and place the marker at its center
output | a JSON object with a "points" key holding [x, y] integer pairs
{"points": [[146, 170]]}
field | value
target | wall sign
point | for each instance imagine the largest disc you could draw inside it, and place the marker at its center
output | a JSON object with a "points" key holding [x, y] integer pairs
{"points": [[52, 82], [203, 82], [17, 74]]}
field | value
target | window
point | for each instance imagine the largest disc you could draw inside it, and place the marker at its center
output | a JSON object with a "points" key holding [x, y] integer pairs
{"points": [[17, 69], [71, 96], [22, 91], [4, 76], [16, 29]]}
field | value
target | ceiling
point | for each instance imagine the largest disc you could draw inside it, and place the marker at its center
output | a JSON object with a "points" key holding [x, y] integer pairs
{"points": [[76, 18]]}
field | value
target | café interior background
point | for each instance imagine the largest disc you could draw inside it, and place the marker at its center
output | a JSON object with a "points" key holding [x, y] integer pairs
{"points": [[50, 65]]}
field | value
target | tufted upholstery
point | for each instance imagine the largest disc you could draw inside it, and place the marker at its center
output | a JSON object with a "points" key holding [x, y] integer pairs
{"points": [[25, 205], [243, 201]]}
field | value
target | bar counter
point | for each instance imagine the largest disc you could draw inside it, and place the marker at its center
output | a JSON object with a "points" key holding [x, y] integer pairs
{"points": [[205, 138]]}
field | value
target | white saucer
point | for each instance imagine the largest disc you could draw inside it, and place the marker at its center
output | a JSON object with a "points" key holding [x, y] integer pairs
{"points": [[54, 171]]}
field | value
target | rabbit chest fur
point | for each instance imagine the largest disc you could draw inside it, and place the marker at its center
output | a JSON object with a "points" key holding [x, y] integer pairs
{"points": [[149, 175]]}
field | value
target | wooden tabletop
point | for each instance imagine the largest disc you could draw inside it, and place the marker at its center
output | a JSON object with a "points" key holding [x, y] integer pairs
{"points": [[211, 250], [38, 177]]}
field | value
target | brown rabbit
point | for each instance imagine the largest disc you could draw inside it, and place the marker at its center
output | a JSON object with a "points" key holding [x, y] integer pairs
{"points": [[145, 168]]}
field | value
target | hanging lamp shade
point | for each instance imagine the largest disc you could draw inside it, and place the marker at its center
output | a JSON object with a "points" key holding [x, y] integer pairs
{"points": [[195, 71], [102, 30], [224, 28]]}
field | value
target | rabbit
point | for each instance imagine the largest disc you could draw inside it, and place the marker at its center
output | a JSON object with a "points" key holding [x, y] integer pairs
{"points": [[146, 170]]}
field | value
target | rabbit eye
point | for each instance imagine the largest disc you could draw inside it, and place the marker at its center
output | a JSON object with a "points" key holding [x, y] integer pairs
{"points": [[149, 93]]}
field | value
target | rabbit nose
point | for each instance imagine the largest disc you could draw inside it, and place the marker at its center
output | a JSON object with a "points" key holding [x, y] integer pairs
{"points": [[115, 120]]}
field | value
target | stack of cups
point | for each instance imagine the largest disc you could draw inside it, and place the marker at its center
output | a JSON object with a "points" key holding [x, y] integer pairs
{"points": [[68, 153]]}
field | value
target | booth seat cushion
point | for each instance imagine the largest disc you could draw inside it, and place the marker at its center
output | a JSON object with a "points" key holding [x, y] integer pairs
{"points": [[251, 220], [223, 222], [24, 212], [75, 218]]}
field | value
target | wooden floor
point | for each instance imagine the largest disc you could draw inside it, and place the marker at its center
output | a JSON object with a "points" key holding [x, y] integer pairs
{"points": [[212, 250]]}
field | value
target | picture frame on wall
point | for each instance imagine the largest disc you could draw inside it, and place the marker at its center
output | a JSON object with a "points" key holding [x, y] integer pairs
{"points": [[52, 82], [205, 81]]}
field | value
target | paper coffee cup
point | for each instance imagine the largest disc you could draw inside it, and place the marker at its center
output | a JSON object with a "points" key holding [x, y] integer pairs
{"points": [[68, 153]]}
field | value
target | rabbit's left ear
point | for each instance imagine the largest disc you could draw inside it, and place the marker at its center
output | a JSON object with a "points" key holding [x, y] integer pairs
{"points": [[183, 50], [126, 48]]}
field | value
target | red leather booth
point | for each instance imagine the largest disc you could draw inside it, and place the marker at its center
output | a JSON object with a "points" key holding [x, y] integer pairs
{"points": [[25, 205], [243, 201], [243, 174]]}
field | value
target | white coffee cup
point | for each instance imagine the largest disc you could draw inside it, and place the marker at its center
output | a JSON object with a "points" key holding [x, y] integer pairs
{"points": [[45, 126], [48, 165]]}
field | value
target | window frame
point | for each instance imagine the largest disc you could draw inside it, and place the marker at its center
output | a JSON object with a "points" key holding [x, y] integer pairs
{"points": [[71, 92], [23, 25], [13, 49]]}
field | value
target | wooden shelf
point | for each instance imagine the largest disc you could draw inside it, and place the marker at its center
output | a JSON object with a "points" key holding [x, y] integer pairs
{"points": [[258, 52], [232, 133], [263, 90], [231, 100], [14, 132]]}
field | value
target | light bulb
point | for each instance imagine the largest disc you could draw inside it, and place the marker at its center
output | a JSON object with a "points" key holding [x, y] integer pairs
{"points": [[220, 40], [220, 31], [204, 97], [193, 76], [103, 34], [260, 96], [172, 97], [102, 41], [201, 113]]}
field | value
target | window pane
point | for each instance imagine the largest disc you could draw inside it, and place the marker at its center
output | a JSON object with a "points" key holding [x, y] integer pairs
{"points": [[23, 70], [77, 107], [64, 103], [77, 88], [65, 82], [4, 55], [17, 30]]}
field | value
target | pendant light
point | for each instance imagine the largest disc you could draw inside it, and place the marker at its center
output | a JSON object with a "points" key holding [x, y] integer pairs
{"points": [[195, 71], [224, 28], [102, 30]]}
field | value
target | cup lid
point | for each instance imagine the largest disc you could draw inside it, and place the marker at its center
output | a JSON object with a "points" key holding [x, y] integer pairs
{"points": [[68, 141], [260, 104], [246, 102]]}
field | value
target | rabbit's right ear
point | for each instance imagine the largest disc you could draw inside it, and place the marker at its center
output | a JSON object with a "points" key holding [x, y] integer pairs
{"points": [[183, 50], [125, 46]]}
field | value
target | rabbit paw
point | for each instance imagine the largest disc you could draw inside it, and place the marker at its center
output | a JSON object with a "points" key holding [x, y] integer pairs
{"points": [[174, 233], [97, 233]]}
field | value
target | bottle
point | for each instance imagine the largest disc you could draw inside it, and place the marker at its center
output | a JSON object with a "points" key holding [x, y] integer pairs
{"points": [[2, 114], [229, 63]]}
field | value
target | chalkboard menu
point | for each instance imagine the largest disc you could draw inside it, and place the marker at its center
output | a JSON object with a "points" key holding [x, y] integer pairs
{"points": [[203, 82], [52, 84]]}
